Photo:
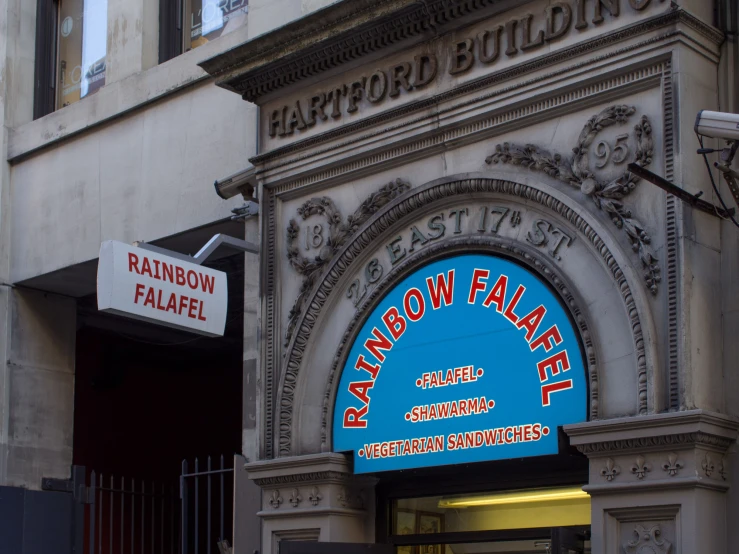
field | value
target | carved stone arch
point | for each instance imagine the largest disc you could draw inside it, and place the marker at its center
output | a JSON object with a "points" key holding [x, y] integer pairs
{"points": [[523, 255], [394, 214]]}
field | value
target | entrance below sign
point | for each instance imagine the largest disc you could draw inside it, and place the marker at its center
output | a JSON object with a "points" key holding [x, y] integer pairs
{"points": [[544, 545], [554, 519]]}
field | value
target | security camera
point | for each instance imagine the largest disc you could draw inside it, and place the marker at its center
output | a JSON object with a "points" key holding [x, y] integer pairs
{"points": [[717, 124], [244, 182]]}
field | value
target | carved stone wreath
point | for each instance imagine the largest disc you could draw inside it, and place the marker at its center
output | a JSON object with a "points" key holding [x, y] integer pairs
{"points": [[339, 232], [607, 196]]}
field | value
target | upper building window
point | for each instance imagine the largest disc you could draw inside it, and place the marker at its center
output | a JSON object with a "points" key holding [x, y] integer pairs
{"points": [[72, 35], [83, 34], [209, 19], [71, 43], [187, 24]]}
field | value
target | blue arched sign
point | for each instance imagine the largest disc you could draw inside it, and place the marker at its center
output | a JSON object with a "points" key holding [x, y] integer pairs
{"points": [[470, 358]]}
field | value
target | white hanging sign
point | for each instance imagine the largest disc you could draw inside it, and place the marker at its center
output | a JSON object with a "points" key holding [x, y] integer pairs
{"points": [[160, 289]]}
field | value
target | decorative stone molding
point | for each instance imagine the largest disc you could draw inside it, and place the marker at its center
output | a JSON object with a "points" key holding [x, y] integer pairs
{"points": [[333, 488], [275, 500], [339, 233], [654, 432], [648, 540], [538, 108], [611, 470], [653, 443], [607, 196], [672, 466], [708, 465], [694, 441], [665, 20], [723, 469], [396, 211], [301, 478], [315, 496], [641, 467], [328, 468], [355, 33], [295, 498]]}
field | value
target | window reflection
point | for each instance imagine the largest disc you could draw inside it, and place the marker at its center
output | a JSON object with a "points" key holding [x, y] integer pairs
{"points": [[83, 29], [209, 19], [522, 509], [539, 546]]}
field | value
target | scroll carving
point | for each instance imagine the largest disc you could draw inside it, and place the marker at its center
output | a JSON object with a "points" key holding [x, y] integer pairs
{"points": [[607, 196], [648, 541], [338, 233]]}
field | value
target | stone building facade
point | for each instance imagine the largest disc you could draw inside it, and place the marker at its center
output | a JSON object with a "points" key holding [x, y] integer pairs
{"points": [[398, 134], [384, 139]]}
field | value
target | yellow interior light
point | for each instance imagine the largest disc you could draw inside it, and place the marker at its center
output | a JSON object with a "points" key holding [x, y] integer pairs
{"points": [[514, 497]]}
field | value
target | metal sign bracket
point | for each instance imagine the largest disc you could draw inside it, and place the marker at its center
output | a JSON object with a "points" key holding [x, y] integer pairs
{"points": [[206, 251]]}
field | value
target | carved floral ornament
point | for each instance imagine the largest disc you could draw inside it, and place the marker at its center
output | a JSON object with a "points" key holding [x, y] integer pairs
{"points": [[648, 540], [338, 233], [296, 497], [607, 196]]}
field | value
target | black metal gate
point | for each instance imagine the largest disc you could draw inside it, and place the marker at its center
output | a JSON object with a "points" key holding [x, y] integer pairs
{"points": [[206, 496], [129, 516], [119, 515], [108, 514]]}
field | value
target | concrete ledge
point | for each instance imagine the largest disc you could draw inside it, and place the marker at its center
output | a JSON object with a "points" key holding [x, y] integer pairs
{"points": [[325, 467], [654, 432], [307, 512], [118, 98], [666, 484]]}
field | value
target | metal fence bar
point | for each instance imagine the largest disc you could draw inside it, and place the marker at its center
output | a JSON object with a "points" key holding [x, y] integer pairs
{"points": [[193, 531], [222, 537], [197, 508], [133, 515], [153, 518], [123, 510], [161, 525], [208, 524], [183, 500], [110, 530], [92, 512], [171, 525], [94, 522], [100, 519]]}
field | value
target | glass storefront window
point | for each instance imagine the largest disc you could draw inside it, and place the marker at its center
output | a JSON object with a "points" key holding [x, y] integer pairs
{"points": [[83, 34], [209, 19], [522, 509], [533, 546]]}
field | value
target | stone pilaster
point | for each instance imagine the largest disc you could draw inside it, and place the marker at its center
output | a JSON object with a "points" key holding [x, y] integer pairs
{"points": [[313, 497], [657, 482]]}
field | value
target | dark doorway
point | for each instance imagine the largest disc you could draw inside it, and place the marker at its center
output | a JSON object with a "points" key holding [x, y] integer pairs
{"points": [[148, 398]]}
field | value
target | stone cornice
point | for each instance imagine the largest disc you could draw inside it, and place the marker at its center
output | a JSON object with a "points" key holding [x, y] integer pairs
{"points": [[661, 484], [335, 35], [485, 82], [677, 430], [347, 31], [313, 468], [276, 514]]}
